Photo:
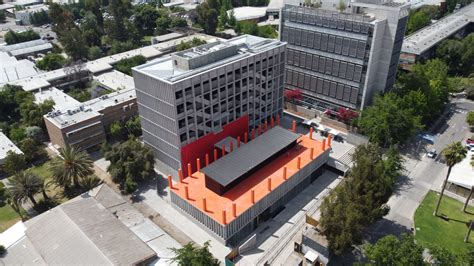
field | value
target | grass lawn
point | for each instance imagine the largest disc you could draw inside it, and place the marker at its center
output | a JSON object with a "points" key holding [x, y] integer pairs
{"points": [[52, 190], [445, 233], [8, 217]]}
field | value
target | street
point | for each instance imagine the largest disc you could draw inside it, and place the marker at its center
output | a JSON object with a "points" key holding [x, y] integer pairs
{"points": [[422, 174]]}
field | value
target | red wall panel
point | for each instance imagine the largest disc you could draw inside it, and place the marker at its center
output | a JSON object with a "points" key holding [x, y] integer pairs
{"points": [[205, 144]]}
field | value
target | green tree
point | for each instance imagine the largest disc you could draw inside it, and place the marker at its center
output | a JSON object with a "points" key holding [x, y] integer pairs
{"points": [[120, 12], [70, 167], [390, 250], [223, 18], [33, 150], [246, 27], [133, 126], [388, 121], [125, 65], [117, 130], [94, 6], [24, 186], [453, 154], [74, 44], [208, 16], [12, 37], [39, 18], [162, 24], [14, 162], [91, 30], [191, 255], [360, 199], [341, 6], [3, 17], [443, 256], [119, 47], [416, 21], [232, 20], [145, 18], [470, 118], [178, 22], [130, 162], [94, 53], [17, 134], [51, 62]]}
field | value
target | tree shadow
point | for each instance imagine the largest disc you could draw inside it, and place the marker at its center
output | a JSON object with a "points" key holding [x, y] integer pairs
{"points": [[402, 183], [156, 182]]}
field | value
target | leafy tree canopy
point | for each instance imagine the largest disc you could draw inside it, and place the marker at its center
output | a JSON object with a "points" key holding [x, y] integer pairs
{"points": [[390, 250], [190, 255]]}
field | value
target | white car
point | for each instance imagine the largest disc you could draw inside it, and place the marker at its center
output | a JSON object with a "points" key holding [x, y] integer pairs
{"points": [[431, 154]]}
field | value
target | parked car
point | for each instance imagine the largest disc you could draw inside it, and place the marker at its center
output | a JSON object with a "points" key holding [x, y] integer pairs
{"points": [[309, 123], [431, 154]]}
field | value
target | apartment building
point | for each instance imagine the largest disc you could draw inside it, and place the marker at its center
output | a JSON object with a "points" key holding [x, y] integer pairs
{"points": [[84, 125], [342, 59], [190, 101]]}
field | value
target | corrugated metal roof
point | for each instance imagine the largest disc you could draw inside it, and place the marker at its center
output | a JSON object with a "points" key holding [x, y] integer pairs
{"points": [[247, 157]]}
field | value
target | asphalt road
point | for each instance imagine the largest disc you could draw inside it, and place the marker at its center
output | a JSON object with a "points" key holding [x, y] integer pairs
{"points": [[422, 173]]}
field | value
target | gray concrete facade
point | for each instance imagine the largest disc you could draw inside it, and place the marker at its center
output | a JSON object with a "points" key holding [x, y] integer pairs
{"points": [[198, 91], [342, 59]]}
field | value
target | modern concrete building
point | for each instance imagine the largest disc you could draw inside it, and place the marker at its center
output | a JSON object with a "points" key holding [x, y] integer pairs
{"points": [[84, 125], [342, 59], [190, 101], [249, 182]]}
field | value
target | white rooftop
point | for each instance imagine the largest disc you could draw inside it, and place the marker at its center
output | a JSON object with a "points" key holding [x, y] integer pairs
{"points": [[462, 174], [11, 69], [61, 100], [115, 80], [26, 47], [248, 45], [422, 40], [7, 145], [248, 12]]}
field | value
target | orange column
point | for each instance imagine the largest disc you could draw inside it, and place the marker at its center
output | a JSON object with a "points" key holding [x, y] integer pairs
{"points": [[238, 141], [293, 126], [170, 182], [223, 150], [252, 135], [190, 171], [215, 154], [311, 132], [278, 119], [311, 153], [234, 209], [298, 163], [186, 192], [224, 221], [265, 126], [231, 146], [180, 174], [324, 145], [272, 122], [329, 140], [246, 137], [252, 196], [204, 204], [207, 159], [269, 182], [198, 165], [284, 173]]}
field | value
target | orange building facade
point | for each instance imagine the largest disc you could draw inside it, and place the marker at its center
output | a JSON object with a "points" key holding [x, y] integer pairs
{"points": [[257, 179]]}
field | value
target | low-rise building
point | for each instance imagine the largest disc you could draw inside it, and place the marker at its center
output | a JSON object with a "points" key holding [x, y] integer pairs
{"points": [[24, 49], [23, 16], [84, 125], [244, 183], [12, 69], [460, 180], [6, 145]]}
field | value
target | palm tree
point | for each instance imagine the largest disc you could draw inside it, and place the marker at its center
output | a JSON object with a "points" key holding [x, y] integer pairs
{"points": [[70, 167], [453, 154], [24, 186]]}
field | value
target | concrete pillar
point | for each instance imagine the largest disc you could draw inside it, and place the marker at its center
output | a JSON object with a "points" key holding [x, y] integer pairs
{"points": [[278, 119], [224, 220], [198, 165], [324, 145], [234, 209], [293, 126], [207, 159], [269, 183], [298, 162], [246, 137], [190, 171], [238, 141], [215, 155], [180, 174], [204, 204], [272, 122], [223, 150], [252, 196], [311, 153], [311, 132], [186, 192], [170, 182], [284, 173], [231, 148]]}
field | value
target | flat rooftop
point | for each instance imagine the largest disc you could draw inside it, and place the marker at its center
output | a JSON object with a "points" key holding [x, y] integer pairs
{"points": [[257, 181], [248, 45], [90, 109], [7, 145], [236, 164], [422, 40], [61, 100], [462, 173]]}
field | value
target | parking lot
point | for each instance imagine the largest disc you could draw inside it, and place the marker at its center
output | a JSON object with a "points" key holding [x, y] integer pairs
{"points": [[10, 25]]}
